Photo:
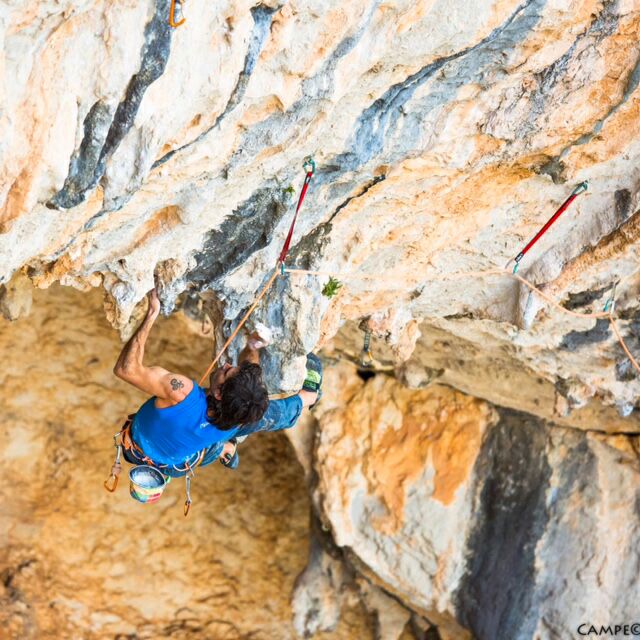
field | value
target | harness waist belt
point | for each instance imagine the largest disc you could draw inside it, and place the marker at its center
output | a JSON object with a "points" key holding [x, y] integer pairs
{"points": [[135, 449]]}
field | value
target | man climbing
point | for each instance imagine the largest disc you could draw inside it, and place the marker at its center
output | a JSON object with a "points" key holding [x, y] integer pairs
{"points": [[182, 425]]}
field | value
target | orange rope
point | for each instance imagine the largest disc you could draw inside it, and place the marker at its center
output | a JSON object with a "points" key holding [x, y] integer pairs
{"points": [[551, 301], [446, 276], [463, 276], [622, 282], [524, 281], [614, 326], [244, 319]]}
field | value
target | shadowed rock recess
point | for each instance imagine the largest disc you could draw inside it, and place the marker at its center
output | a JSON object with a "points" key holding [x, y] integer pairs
{"points": [[481, 480]]}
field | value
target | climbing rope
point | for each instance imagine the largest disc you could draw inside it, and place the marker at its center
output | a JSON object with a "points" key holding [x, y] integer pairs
{"points": [[581, 188], [172, 14], [623, 344], [309, 167]]}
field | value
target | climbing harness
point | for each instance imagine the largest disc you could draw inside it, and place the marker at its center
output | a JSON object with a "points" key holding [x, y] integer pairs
{"points": [[366, 358], [137, 490], [581, 188], [172, 13]]}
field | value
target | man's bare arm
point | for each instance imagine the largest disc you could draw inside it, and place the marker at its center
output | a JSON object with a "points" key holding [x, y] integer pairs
{"points": [[132, 355], [156, 381]]}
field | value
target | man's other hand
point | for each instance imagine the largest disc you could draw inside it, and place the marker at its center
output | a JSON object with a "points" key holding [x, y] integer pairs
{"points": [[254, 341]]}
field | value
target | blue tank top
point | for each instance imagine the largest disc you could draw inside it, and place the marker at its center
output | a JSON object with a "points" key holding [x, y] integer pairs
{"points": [[174, 434]]}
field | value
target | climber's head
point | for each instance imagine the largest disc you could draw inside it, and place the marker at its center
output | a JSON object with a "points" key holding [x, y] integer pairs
{"points": [[237, 395]]}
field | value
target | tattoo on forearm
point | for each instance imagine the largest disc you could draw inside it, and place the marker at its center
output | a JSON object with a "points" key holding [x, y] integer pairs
{"points": [[176, 384]]}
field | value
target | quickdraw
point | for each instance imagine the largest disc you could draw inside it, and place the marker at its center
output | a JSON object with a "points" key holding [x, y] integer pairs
{"points": [[111, 483], [172, 13], [187, 502], [366, 357], [581, 188], [187, 480], [309, 166]]}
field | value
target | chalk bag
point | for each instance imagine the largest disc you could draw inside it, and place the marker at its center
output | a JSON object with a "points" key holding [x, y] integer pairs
{"points": [[146, 484]]}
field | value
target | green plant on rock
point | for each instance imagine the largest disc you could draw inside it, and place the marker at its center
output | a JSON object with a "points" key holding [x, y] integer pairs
{"points": [[290, 190], [331, 288]]}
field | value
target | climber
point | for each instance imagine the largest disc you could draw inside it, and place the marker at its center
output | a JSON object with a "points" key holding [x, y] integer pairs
{"points": [[183, 425]]}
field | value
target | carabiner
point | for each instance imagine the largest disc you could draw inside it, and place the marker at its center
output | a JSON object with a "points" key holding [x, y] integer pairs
{"points": [[610, 305], [366, 358], [172, 14], [583, 186], [187, 502], [111, 482], [108, 485], [516, 261], [309, 165]]}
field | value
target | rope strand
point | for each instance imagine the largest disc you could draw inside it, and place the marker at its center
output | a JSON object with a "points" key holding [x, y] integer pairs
{"points": [[623, 344]]}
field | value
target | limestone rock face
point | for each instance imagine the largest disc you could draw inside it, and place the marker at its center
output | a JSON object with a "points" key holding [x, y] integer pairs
{"points": [[490, 523], [445, 134], [483, 483], [443, 515]]}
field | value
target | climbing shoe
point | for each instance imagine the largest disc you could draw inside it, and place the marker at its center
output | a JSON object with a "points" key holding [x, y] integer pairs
{"points": [[231, 461], [313, 380]]}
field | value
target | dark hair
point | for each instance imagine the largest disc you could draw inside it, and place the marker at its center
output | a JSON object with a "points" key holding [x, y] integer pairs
{"points": [[244, 398]]}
